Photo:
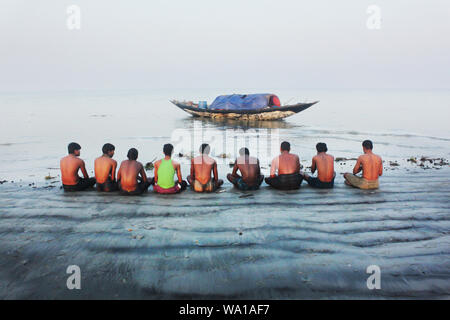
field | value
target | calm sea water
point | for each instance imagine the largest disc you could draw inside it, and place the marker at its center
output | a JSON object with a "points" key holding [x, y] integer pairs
{"points": [[266, 244]]}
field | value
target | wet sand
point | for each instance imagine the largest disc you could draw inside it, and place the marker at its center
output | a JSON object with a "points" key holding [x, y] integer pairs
{"points": [[266, 244]]}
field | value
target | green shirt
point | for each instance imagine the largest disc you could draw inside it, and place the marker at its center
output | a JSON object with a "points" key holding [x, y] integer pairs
{"points": [[166, 171]]}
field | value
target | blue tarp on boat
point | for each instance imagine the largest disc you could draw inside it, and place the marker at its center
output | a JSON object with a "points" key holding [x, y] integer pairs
{"points": [[241, 102]]}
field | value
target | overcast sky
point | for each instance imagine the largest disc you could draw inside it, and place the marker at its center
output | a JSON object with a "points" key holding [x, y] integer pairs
{"points": [[144, 44]]}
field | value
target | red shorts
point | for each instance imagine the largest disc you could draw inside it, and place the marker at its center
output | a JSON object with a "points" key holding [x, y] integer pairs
{"points": [[174, 189]]}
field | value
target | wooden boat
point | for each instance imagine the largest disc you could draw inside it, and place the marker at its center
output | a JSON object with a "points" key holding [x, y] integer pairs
{"points": [[267, 113]]}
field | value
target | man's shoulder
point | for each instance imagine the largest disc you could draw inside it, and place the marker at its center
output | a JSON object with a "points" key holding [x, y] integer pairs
{"points": [[253, 160], [210, 160], [175, 164]]}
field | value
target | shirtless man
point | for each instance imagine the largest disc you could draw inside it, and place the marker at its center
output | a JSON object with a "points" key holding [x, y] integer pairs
{"points": [[201, 167], [371, 166], [105, 169], [69, 170], [131, 177], [251, 173], [165, 170], [324, 164], [287, 165]]}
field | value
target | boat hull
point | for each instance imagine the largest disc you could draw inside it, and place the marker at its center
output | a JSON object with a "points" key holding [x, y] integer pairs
{"points": [[275, 113]]}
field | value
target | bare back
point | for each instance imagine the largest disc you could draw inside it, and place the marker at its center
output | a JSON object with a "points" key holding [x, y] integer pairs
{"points": [[105, 168], [285, 163], [324, 164], [129, 172], [371, 165], [69, 166], [201, 168], [249, 168]]}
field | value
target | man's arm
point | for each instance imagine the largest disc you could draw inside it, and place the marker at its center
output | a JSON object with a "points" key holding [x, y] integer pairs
{"points": [[178, 168], [83, 169], [119, 173], [113, 171], [380, 172], [235, 169], [274, 167], [143, 173], [358, 166], [155, 179], [313, 165], [216, 175], [192, 169]]}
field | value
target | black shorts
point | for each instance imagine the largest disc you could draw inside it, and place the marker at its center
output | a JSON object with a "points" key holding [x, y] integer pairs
{"points": [[285, 181], [82, 184], [316, 183], [140, 189], [108, 186], [239, 183]]}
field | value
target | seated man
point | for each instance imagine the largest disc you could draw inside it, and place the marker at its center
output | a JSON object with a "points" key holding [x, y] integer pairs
{"points": [[131, 177], [69, 170], [371, 166], [288, 167], [251, 173], [324, 163], [164, 172], [201, 167], [105, 169]]}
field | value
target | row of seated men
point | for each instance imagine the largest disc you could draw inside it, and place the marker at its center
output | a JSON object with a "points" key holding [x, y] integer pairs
{"points": [[285, 171]]}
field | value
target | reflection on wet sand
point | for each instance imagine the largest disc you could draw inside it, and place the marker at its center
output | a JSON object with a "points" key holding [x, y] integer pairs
{"points": [[190, 122]]}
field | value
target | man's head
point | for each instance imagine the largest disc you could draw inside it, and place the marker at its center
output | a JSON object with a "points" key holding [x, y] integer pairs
{"points": [[168, 149], [285, 146], [108, 149], [132, 154], [367, 145], [321, 147], [74, 148], [244, 152], [204, 148]]}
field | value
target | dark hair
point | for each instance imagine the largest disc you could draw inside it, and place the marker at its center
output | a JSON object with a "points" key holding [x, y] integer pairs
{"points": [[285, 146], [321, 147], [167, 149], [107, 147], [204, 148], [72, 147], [243, 151], [132, 154], [367, 144]]}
